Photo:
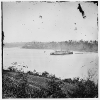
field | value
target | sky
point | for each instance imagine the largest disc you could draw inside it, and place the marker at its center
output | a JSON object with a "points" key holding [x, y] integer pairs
{"points": [[44, 22]]}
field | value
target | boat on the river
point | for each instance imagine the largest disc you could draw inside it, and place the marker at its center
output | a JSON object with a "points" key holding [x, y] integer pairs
{"points": [[61, 53]]}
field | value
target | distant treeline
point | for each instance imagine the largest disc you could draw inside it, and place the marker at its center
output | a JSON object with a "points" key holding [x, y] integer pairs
{"points": [[88, 46], [14, 44]]}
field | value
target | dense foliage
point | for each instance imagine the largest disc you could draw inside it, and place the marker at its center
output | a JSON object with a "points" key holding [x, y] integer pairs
{"points": [[17, 84], [89, 46]]}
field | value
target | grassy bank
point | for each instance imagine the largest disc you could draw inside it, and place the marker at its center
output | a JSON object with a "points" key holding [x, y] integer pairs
{"points": [[17, 84]]}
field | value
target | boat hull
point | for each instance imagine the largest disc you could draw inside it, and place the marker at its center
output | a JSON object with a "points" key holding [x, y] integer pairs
{"points": [[61, 53]]}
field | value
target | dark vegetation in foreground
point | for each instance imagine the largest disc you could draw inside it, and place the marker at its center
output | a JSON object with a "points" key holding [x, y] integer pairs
{"points": [[18, 84], [87, 46]]}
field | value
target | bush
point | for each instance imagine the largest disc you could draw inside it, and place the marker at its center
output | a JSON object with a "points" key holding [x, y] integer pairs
{"points": [[30, 73], [12, 88], [55, 90], [69, 80], [18, 87], [86, 89], [22, 87], [12, 68], [9, 89], [45, 74]]}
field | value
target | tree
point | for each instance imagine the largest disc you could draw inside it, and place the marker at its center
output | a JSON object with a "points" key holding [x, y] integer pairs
{"points": [[22, 87], [12, 68], [55, 89]]}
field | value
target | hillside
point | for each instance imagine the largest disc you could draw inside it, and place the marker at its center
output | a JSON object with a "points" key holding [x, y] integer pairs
{"points": [[17, 84]]}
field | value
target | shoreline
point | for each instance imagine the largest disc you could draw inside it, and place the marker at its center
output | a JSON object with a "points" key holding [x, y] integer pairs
{"points": [[82, 51]]}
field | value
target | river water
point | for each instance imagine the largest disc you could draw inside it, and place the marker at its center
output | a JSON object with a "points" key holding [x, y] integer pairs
{"points": [[63, 66]]}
